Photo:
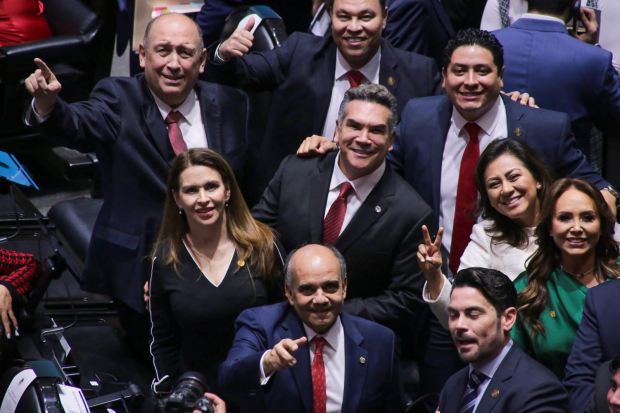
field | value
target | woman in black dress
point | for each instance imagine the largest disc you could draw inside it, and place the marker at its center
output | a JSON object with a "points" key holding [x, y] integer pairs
{"points": [[211, 261]]}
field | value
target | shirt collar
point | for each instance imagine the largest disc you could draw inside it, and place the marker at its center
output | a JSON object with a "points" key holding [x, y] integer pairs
{"points": [[491, 367], [370, 70], [486, 122], [332, 337], [361, 186], [189, 108], [542, 17]]}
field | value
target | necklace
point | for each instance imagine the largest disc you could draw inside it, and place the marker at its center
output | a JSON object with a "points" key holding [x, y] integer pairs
{"points": [[577, 275]]}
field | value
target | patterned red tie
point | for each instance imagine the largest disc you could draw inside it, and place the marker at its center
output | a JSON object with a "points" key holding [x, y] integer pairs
{"points": [[355, 77], [174, 132], [335, 215], [466, 199], [319, 389]]}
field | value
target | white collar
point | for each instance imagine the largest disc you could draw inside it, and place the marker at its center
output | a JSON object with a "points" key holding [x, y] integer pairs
{"points": [[542, 17], [361, 186], [370, 70], [332, 337], [187, 108], [486, 122]]}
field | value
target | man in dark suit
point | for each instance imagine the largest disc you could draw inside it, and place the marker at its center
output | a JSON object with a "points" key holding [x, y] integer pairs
{"points": [[308, 75], [123, 122], [381, 228], [598, 340], [562, 72], [500, 377], [277, 362]]}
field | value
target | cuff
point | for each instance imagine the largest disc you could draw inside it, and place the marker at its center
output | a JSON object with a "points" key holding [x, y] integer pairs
{"points": [[37, 118], [216, 57], [264, 379]]}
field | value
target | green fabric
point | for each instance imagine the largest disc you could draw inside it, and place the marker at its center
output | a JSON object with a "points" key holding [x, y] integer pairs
{"points": [[567, 297]]}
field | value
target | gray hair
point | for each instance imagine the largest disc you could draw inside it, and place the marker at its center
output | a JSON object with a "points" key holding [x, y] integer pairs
{"points": [[147, 32], [288, 277], [373, 94]]}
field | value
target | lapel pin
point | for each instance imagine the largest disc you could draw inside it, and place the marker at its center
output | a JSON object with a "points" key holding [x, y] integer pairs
{"points": [[495, 393], [362, 360], [378, 209], [552, 314], [391, 81], [518, 132], [240, 263]]}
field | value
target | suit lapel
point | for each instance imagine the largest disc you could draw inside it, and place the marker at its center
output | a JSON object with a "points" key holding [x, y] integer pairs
{"points": [[319, 187], [154, 123], [302, 373], [355, 370], [514, 119], [497, 388], [439, 130], [388, 76], [370, 211], [325, 72], [210, 112]]}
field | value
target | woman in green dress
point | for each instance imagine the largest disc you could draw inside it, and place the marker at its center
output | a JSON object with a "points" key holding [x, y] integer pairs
{"points": [[576, 251]]}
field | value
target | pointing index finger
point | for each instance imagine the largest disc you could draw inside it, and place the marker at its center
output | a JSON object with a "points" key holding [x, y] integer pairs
{"points": [[45, 70]]}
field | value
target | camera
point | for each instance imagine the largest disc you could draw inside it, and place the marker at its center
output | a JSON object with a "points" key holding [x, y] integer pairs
{"points": [[187, 396]]}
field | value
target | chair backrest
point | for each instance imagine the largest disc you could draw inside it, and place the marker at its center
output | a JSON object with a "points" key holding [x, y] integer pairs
{"points": [[72, 16], [270, 33]]}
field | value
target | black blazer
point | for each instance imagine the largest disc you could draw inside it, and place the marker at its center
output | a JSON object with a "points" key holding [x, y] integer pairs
{"points": [[520, 384], [301, 75], [379, 244], [121, 122]]}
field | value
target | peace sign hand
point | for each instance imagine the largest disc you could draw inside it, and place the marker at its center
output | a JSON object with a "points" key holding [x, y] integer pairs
{"points": [[429, 260]]}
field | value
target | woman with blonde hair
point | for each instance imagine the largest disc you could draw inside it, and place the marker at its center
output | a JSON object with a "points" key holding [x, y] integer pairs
{"points": [[211, 261]]}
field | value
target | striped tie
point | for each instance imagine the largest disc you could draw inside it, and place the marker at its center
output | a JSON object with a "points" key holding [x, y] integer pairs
{"points": [[468, 402], [335, 217], [319, 389]]}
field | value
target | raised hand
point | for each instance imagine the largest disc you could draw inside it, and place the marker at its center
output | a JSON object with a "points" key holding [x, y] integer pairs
{"points": [[239, 43], [429, 260], [44, 87], [280, 357], [588, 19], [315, 145]]}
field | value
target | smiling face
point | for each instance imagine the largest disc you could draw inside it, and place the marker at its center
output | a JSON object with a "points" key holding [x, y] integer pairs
{"points": [[172, 59], [576, 226], [472, 81], [202, 197], [512, 190], [356, 28], [363, 138], [316, 290], [477, 331]]}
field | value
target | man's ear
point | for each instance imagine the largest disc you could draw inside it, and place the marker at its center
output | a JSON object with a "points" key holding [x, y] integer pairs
{"points": [[509, 317], [289, 294], [336, 133], [392, 139], [344, 288], [142, 54], [203, 60], [443, 77]]}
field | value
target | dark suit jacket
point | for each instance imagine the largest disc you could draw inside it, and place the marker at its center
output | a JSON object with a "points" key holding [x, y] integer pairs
{"points": [[420, 26], [563, 74], [598, 340], [122, 123], [520, 384], [422, 133], [601, 386], [372, 386], [379, 244], [301, 75]]}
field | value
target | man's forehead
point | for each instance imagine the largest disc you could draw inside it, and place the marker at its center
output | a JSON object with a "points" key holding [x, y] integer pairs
{"points": [[472, 55], [169, 27], [357, 5], [362, 111], [464, 297]]}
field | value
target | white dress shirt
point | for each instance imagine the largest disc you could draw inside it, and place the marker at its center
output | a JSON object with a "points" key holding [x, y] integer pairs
{"points": [[333, 359], [493, 125], [361, 189], [341, 85], [489, 370], [191, 125]]}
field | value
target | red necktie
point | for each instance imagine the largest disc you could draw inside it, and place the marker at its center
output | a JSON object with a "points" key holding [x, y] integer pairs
{"points": [[466, 199], [355, 77], [319, 389], [335, 216], [174, 132]]}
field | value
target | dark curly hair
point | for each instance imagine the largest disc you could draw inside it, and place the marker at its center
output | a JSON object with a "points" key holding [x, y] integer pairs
{"points": [[475, 37]]}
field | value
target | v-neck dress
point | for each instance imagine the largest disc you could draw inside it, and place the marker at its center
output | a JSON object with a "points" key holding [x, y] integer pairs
{"points": [[561, 318], [192, 320]]}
